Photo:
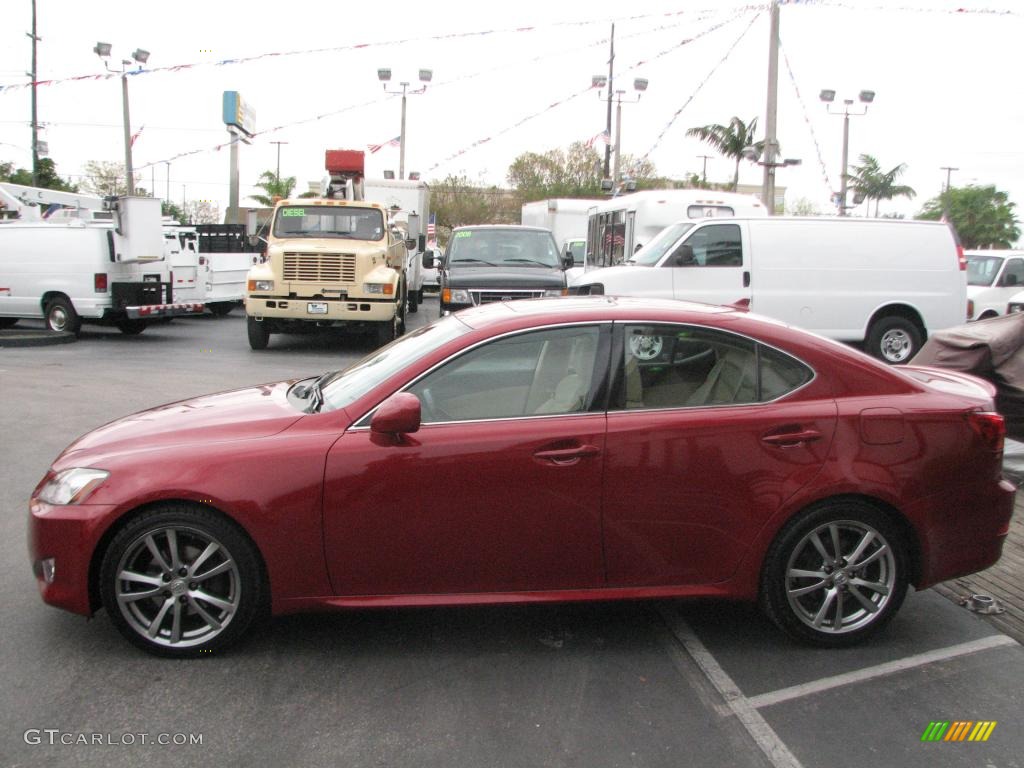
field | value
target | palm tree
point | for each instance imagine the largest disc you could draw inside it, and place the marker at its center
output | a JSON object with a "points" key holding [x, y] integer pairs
{"points": [[276, 188], [730, 140], [870, 181]]}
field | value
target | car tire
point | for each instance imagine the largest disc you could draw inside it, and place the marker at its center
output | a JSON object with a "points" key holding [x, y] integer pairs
{"points": [[61, 316], [194, 581], [387, 331], [131, 327], [894, 340], [259, 334], [819, 598]]}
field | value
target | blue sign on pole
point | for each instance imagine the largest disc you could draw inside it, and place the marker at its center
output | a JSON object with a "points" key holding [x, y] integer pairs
{"points": [[239, 114]]}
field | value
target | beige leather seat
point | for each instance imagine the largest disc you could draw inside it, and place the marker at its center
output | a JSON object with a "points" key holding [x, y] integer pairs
{"points": [[732, 380]]}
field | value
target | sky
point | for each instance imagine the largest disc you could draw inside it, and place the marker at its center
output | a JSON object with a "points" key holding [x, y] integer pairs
{"points": [[515, 77]]}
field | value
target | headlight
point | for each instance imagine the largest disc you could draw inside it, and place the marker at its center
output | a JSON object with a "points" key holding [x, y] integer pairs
{"points": [[261, 285], [72, 486], [456, 296], [382, 289], [556, 292]]}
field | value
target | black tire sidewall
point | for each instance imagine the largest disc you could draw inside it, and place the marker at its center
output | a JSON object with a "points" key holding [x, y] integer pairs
{"points": [[254, 594], [74, 324], [773, 597], [259, 334], [880, 327]]}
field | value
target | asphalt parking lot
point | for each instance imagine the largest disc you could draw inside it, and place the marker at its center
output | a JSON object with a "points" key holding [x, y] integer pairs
{"points": [[646, 684]]}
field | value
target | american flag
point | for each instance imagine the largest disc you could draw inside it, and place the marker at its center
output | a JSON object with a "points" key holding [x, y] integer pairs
{"points": [[431, 227], [603, 137], [391, 143], [135, 136]]}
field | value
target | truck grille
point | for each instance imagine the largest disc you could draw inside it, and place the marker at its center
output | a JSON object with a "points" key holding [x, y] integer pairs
{"points": [[490, 295], [320, 267]]}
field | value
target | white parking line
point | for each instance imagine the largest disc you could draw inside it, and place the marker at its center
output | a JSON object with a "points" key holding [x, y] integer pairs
{"points": [[766, 738], [890, 667]]}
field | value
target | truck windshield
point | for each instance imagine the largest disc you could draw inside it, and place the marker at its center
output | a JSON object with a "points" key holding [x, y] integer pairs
{"points": [[504, 246], [329, 221], [982, 270], [659, 245], [346, 386]]}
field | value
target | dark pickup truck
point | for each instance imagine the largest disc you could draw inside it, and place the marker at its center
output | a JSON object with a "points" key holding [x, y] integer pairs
{"points": [[499, 263]]}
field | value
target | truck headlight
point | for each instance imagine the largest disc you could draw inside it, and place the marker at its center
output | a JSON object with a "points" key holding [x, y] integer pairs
{"points": [[72, 486], [261, 285], [556, 292], [381, 289], [456, 296]]}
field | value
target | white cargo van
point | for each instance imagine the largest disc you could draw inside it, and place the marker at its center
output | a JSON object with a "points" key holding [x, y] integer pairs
{"points": [[887, 283], [993, 279]]}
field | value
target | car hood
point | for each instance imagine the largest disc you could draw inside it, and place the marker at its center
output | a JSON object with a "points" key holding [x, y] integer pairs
{"points": [[235, 415], [505, 277]]}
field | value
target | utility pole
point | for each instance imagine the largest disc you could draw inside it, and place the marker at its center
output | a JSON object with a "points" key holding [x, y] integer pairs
{"points": [[771, 110], [949, 173], [35, 118], [279, 143], [704, 173], [611, 90], [168, 164]]}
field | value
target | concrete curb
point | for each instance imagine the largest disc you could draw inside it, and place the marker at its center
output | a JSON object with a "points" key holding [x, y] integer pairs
{"points": [[28, 337]]}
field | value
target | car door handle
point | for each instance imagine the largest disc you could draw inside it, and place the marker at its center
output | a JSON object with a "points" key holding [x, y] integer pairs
{"points": [[567, 455], [792, 439]]}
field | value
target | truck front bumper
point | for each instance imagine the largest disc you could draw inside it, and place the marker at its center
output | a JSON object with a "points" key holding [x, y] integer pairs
{"points": [[312, 310]]}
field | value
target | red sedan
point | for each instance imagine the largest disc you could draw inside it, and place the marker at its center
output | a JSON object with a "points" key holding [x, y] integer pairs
{"points": [[549, 450]]}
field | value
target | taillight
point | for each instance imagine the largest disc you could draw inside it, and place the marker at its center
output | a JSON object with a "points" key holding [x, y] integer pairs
{"points": [[99, 282], [960, 258], [970, 308], [990, 427]]}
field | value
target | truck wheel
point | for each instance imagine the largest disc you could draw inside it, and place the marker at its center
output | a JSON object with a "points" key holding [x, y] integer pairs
{"points": [[221, 308], [414, 301], [131, 327], [8, 322], [387, 331], [894, 340], [61, 316], [259, 334]]}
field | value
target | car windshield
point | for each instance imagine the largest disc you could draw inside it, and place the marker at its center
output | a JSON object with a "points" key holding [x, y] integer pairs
{"points": [[346, 386], [662, 242], [492, 247], [982, 270], [332, 221]]}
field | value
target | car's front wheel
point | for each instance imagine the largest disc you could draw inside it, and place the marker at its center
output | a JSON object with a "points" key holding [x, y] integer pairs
{"points": [[835, 574], [181, 581]]}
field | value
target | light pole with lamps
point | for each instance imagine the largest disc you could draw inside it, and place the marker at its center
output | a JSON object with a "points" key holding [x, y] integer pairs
{"points": [[141, 57], [639, 85], [828, 96], [384, 75]]}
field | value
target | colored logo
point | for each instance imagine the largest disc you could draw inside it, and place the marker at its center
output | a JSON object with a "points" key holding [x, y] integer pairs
{"points": [[958, 730]]}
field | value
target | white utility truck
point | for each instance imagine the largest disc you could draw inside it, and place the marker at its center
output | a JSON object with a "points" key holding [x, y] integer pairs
{"points": [[884, 282], [90, 260], [408, 204], [209, 263], [566, 217]]}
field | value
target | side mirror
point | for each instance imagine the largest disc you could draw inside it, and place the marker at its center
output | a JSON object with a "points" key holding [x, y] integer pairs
{"points": [[398, 415], [428, 260], [682, 257], [567, 261], [422, 245]]}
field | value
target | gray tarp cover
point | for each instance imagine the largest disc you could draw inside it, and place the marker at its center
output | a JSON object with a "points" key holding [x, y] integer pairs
{"points": [[992, 349]]}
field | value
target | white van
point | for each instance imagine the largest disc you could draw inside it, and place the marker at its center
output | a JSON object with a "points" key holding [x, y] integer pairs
{"points": [[620, 226], [885, 282], [993, 279]]}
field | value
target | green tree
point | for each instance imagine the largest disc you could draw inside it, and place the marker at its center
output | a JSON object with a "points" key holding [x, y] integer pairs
{"points": [[983, 216], [275, 187], [870, 181], [172, 210], [575, 172], [729, 141], [456, 201], [46, 177]]}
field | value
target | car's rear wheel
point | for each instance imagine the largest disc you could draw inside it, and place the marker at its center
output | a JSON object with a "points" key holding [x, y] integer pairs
{"points": [[835, 574], [61, 316], [181, 581]]}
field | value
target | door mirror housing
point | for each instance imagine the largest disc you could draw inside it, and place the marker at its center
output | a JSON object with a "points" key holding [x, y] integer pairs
{"points": [[398, 415], [567, 261], [430, 261], [682, 257]]}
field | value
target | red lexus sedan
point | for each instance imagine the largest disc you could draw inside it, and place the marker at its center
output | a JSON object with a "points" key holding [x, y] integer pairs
{"points": [[590, 448]]}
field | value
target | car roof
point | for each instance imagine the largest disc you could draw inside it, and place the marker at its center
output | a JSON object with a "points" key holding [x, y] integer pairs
{"points": [[497, 227]]}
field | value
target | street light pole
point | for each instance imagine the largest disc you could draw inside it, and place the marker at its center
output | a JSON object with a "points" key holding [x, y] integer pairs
{"points": [[35, 118], [640, 84], [279, 143], [141, 57], [611, 85], [949, 175], [771, 110], [384, 75], [866, 98]]}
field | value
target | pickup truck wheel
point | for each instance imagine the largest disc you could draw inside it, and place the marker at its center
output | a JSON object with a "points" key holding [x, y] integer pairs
{"points": [[61, 316], [259, 334], [130, 327], [894, 340], [388, 331]]}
